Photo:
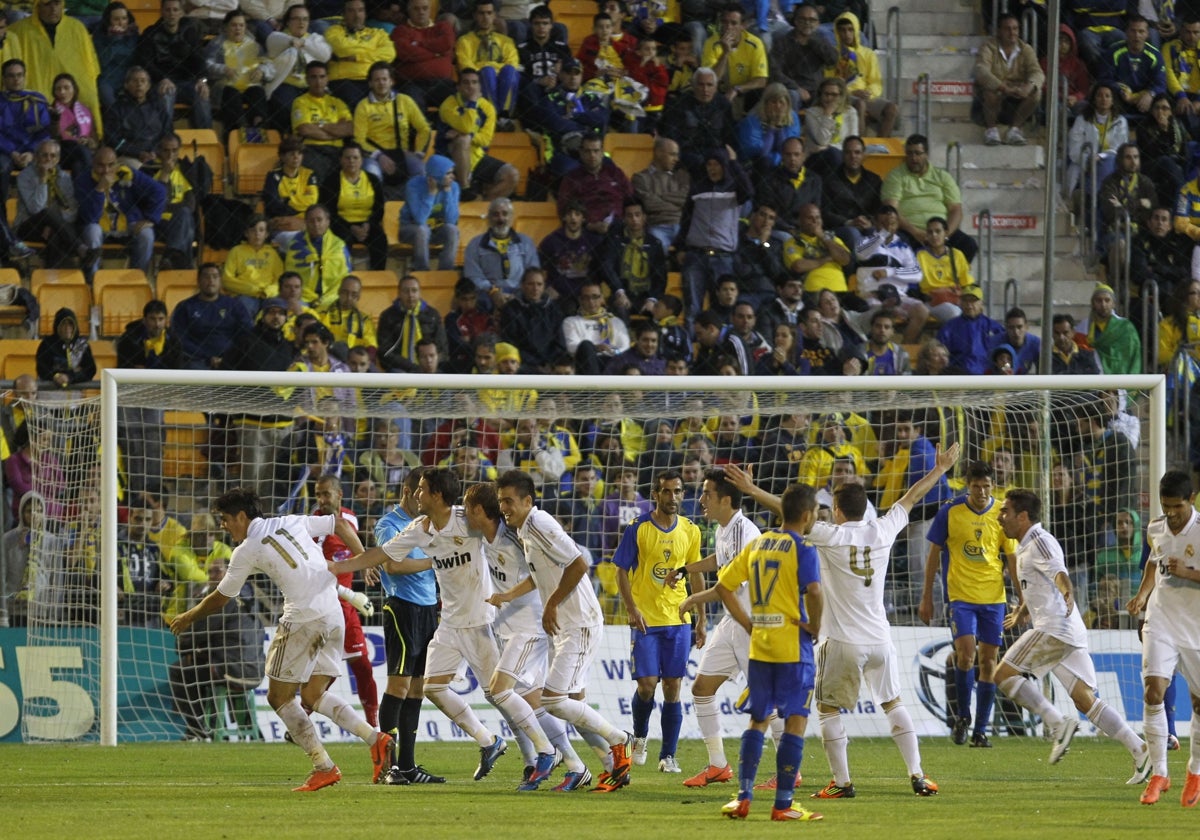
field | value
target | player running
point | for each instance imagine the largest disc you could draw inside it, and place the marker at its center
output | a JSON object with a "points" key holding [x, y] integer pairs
{"points": [[1057, 642], [306, 653], [1170, 595], [523, 643], [465, 633], [571, 615]]}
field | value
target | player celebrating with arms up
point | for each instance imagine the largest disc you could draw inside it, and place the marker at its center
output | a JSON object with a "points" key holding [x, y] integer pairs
{"points": [[858, 639], [1057, 642], [571, 615], [1170, 595], [306, 652], [785, 617]]}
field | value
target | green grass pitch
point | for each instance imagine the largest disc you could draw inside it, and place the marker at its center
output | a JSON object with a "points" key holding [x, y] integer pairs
{"points": [[198, 791]]}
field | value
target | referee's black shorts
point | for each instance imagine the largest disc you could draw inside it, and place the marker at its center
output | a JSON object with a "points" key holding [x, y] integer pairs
{"points": [[407, 629]]}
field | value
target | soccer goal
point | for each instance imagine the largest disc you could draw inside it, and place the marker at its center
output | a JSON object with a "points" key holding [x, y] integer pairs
{"points": [[157, 447]]}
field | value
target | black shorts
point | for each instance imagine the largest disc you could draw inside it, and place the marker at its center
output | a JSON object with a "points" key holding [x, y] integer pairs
{"points": [[485, 173], [407, 629]]}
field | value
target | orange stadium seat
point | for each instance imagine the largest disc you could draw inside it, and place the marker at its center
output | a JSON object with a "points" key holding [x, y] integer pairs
{"points": [[75, 296], [55, 276], [204, 141], [20, 356], [374, 300], [186, 435], [379, 280], [249, 163], [105, 354], [108, 276], [518, 149], [121, 303]]}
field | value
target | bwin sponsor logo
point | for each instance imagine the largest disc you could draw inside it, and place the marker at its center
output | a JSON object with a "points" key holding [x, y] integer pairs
{"points": [[462, 558]]}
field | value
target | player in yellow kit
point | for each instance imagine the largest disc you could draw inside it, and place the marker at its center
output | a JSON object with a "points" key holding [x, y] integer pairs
{"points": [[782, 570]]}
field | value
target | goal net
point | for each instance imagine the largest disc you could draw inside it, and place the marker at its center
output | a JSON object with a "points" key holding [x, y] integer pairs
{"points": [[123, 538]]}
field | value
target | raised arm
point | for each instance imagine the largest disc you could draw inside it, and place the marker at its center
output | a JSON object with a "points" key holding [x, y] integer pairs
{"points": [[943, 461]]}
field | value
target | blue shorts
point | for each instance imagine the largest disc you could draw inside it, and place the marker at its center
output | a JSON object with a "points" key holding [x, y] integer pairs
{"points": [[983, 621], [783, 687], [661, 651]]}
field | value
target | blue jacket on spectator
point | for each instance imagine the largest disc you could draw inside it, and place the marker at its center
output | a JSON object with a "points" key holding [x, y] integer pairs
{"points": [[24, 121], [419, 206], [136, 195], [970, 340], [207, 329], [1143, 72]]}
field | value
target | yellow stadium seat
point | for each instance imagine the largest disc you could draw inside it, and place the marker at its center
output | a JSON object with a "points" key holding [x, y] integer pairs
{"points": [[20, 356], [436, 280], [378, 279], [256, 158], [105, 354], [55, 276], [204, 141], [108, 276], [535, 210], [181, 279], [537, 228], [374, 300], [468, 228], [391, 223], [121, 303], [675, 284], [631, 160], [75, 296], [518, 149], [883, 162]]}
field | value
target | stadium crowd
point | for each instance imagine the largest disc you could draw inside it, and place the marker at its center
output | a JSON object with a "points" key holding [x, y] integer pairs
{"points": [[793, 257]]}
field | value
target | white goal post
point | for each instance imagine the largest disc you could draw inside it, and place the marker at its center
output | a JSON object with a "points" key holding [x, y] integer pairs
{"points": [[579, 400], [985, 413]]}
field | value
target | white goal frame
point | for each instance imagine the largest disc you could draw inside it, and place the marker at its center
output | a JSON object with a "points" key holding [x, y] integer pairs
{"points": [[1154, 385]]}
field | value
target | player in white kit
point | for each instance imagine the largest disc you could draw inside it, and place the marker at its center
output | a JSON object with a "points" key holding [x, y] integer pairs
{"points": [[856, 638], [306, 652], [1057, 642], [524, 646], [1170, 595], [456, 555], [571, 616], [726, 653]]}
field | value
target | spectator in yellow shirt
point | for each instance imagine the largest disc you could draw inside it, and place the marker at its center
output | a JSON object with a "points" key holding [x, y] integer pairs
{"points": [[356, 47], [738, 58], [493, 55], [468, 125]]}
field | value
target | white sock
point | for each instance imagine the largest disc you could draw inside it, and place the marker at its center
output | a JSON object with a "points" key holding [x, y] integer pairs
{"points": [[455, 708], [343, 714], [556, 731], [905, 737], [1154, 724], [1194, 754], [833, 738], [599, 745], [521, 715], [1025, 692], [1114, 726], [708, 715], [776, 723], [304, 733], [583, 717]]}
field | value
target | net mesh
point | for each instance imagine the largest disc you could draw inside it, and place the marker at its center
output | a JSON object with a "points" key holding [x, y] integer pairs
{"points": [[594, 455]]}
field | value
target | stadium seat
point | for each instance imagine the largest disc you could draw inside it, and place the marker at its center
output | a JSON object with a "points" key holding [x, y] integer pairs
{"points": [[250, 162], [538, 227], [379, 280], [391, 225], [75, 296], [204, 141], [55, 276], [121, 303], [105, 354], [468, 228], [180, 282], [535, 210], [631, 159], [518, 149], [879, 161], [374, 300], [477, 209], [108, 276], [675, 284], [576, 16], [20, 356]]}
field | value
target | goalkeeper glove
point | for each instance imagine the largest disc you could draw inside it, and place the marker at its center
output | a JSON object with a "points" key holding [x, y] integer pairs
{"points": [[358, 600]]}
